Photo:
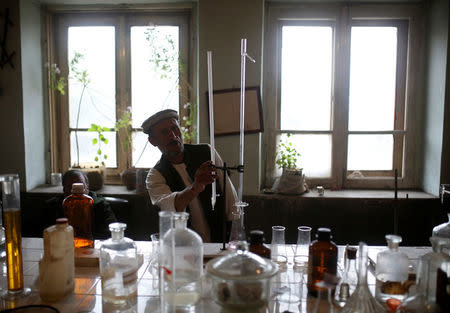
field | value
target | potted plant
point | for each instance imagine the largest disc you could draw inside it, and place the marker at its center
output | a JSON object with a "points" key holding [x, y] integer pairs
{"points": [[292, 180]]}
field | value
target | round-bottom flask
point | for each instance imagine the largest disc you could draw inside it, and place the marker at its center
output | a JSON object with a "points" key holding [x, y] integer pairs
{"points": [[182, 264]]}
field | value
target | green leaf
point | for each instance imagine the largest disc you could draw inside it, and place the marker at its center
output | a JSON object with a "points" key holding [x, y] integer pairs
{"points": [[94, 141], [105, 141], [105, 156], [99, 152], [96, 159]]}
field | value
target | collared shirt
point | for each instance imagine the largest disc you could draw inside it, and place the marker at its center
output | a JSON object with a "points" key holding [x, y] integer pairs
{"points": [[164, 198]]}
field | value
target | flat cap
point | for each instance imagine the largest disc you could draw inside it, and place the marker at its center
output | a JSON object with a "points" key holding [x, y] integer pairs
{"points": [[157, 117]]}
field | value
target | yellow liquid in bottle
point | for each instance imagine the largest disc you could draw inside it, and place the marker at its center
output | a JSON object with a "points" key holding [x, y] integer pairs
{"points": [[13, 236]]}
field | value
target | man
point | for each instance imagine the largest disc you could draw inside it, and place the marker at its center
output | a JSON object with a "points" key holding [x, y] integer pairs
{"points": [[181, 180], [103, 214]]}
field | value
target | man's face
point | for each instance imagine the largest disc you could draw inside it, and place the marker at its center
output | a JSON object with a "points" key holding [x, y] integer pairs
{"points": [[67, 187], [166, 135]]}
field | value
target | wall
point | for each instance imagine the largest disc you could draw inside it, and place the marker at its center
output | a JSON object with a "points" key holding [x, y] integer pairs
{"points": [[32, 93], [12, 156], [222, 24], [437, 42]]}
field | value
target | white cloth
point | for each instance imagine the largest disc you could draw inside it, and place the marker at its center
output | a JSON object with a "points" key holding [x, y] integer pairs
{"points": [[164, 198]]}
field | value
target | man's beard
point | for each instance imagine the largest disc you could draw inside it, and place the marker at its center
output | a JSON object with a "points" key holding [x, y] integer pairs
{"points": [[173, 154]]}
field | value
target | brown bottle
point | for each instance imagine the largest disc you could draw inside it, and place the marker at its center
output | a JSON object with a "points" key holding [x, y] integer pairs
{"points": [[322, 259], [78, 208], [257, 244]]}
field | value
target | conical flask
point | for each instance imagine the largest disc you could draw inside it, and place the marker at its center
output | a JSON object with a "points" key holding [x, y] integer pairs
{"points": [[362, 301]]}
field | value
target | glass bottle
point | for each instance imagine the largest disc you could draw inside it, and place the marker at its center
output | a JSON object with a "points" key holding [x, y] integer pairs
{"points": [[182, 265], [362, 301], [323, 255], [237, 232], [435, 259], [349, 278], [13, 236], [257, 244], [419, 302], [78, 208], [118, 270], [57, 267], [443, 230], [391, 271]]}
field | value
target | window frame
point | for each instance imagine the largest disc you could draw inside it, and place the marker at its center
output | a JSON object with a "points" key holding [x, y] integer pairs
{"points": [[407, 123], [58, 19]]}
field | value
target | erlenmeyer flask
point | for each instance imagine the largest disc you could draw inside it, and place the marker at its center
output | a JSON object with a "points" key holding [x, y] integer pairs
{"points": [[362, 301]]}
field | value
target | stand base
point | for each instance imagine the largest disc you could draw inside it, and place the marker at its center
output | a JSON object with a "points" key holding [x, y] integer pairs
{"points": [[9, 295]]}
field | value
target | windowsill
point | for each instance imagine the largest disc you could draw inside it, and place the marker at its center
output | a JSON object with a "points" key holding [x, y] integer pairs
{"points": [[361, 194], [107, 190], [119, 190]]}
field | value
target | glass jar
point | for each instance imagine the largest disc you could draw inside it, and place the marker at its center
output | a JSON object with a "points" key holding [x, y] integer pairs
{"points": [[181, 264], [241, 280], [419, 302], [391, 271], [118, 270]]}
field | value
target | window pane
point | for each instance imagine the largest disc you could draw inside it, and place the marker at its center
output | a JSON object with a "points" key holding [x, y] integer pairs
{"points": [[153, 87], [144, 154], [88, 151], [315, 151], [98, 105], [306, 75], [370, 152], [372, 78]]}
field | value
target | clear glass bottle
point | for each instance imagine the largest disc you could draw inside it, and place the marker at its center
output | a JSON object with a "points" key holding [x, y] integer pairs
{"points": [[443, 230], [435, 259], [391, 271], [78, 208], [362, 301], [349, 279], [181, 265], [419, 302], [323, 255], [118, 270], [237, 232], [57, 267]]}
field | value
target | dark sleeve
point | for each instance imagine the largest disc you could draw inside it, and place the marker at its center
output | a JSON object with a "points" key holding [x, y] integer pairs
{"points": [[53, 210], [103, 216]]}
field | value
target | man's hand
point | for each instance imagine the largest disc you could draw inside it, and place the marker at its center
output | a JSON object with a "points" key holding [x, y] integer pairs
{"points": [[205, 175]]}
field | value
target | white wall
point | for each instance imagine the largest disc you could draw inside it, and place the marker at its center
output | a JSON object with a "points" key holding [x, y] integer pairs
{"points": [[222, 24], [32, 93], [436, 58]]}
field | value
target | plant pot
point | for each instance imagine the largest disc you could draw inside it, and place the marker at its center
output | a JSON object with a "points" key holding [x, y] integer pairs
{"points": [[128, 177], [291, 182], [95, 173]]}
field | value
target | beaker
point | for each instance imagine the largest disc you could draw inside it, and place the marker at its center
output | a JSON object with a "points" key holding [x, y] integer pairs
{"points": [[13, 235], [301, 252], [237, 232], [278, 247]]}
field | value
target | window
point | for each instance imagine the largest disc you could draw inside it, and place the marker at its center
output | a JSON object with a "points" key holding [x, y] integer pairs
{"points": [[341, 92], [117, 64]]}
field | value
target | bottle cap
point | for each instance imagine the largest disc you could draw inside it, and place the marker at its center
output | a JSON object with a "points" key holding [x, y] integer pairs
{"points": [[256, 237], [351, 252], [77, 188], [62, 220], [323, 234]]}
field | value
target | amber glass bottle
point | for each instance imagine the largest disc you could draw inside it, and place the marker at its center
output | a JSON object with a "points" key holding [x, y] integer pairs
{"points": [[78, 208], [322, 259], [257, 244]]}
